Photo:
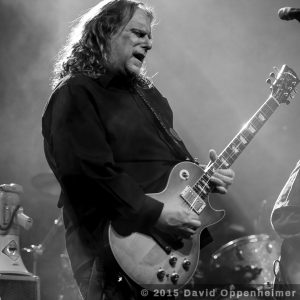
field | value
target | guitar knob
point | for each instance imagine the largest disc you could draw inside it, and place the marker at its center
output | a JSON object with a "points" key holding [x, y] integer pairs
{"points": [[186, 264], [173, 260], [174, 277], [161, 274]]}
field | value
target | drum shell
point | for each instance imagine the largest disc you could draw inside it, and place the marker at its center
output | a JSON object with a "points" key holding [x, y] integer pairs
{"points": [[247, 260]]}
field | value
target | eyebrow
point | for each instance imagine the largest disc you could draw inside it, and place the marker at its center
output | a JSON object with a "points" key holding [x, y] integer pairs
{"points": [[142, 30]]}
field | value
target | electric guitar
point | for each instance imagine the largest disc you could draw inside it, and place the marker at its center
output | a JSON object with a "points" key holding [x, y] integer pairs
{"points": [[155, 260]]}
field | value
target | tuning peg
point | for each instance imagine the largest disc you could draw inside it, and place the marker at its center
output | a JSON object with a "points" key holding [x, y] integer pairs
{"points": [[269, 81], [272, 75], [276, 69]]}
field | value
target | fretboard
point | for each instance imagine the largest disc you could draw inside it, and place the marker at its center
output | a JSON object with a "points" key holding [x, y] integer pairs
{"points": [[237, 145]]}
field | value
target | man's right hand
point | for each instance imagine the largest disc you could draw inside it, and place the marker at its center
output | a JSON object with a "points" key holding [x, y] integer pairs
{"points": [[178, 221]]}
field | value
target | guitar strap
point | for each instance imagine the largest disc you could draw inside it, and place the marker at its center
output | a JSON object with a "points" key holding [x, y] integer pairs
{"points": [[178, 148], [170, 134]]}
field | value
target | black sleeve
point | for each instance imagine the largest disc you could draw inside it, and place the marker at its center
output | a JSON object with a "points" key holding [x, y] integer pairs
{"points": [[86, 163]]}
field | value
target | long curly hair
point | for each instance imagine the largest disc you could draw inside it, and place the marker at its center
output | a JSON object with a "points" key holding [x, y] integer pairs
{"points": [[88, 45]]}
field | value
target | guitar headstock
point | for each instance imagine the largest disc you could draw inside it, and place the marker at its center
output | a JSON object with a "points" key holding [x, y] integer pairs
{"points": [[284, 86]]}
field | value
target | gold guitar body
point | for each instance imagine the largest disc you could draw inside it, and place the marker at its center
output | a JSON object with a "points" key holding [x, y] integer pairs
{"points": [[148, 262]]}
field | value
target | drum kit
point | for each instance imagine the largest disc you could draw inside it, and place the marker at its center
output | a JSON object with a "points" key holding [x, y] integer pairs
{"points": [[247, 261], [244, 267]]}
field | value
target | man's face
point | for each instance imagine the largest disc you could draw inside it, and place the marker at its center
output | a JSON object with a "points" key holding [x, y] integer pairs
{"points": [[130, 45]]}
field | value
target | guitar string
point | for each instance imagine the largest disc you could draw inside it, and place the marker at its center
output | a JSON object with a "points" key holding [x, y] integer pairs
{"points": [[206, 182]]}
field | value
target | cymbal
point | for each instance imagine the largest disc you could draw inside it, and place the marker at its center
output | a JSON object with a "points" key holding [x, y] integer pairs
{"points": [[46, 183]]}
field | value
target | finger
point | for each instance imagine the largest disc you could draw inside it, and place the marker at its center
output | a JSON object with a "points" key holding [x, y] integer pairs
{"points": [[194, 223], [187, 233], [217, 181], [213, 155], [221, 189], [226, 175], [222, 180], [226, 172]]}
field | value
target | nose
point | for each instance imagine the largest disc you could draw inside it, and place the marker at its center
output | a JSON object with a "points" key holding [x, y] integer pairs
{"points": [[147, 43]]}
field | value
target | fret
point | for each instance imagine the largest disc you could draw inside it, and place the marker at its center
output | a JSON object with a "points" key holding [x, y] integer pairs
{"points": [[231, 151], [241, 145], [267, 111], [261, 117], [273, 104], [235, 146], [242, 139], [225, 162], [205, 177], [251, 128], [244, 136], [248, 135], [202, 187], [257, 123], [227, 153], [210, 171], [240, 142], [218, 162]]}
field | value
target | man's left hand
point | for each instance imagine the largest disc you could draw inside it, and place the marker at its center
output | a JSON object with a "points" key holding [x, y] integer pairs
{"points": [[222, 178]]}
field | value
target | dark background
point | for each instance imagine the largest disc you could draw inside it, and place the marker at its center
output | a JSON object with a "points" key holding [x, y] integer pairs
{"points": [[210, 59]]}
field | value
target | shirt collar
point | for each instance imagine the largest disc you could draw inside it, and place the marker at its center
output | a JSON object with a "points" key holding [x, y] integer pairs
{"points": [[117, 81], [105, 79]]}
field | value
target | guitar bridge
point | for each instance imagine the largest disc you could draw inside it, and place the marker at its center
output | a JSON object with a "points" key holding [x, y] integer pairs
{"points": [[193, 199]]}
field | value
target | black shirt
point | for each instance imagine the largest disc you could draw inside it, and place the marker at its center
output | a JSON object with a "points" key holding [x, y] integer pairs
{"points": [[105, 149], [107, 152]]}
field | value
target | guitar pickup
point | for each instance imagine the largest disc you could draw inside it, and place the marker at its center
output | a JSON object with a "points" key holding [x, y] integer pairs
{"points": [[193, 199]]}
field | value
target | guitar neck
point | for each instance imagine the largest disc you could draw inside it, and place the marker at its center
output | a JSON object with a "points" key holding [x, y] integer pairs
{"points": [[202, 187], [244, 136], [237, 145], [282, 88]]}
